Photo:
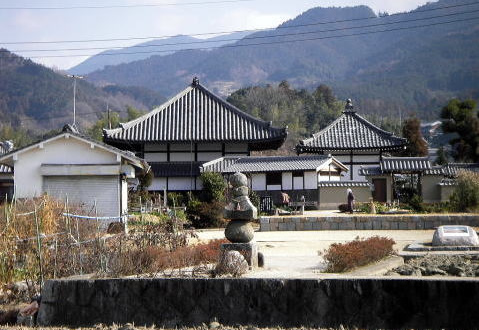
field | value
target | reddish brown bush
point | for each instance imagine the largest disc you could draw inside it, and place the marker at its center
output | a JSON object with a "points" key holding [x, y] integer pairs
{"points": [[360, 252]]}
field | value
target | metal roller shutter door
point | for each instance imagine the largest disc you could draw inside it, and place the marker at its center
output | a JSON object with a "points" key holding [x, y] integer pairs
{"points": [[84, 190]]}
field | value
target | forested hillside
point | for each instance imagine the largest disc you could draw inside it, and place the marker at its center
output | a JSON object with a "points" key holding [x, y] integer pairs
{"points": [[302, 111], [390, 65], [37, 98]]}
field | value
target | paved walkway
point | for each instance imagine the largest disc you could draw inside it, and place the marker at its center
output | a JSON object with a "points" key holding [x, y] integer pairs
{"points": [[294, 254]]}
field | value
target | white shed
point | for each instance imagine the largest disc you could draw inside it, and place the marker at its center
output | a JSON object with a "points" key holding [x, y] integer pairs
{"points": [[69, 165]]}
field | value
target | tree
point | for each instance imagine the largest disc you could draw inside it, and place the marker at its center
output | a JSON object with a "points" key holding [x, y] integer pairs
{"points": [[461, 117], [441, 158], [417, 146], [133, 113]]}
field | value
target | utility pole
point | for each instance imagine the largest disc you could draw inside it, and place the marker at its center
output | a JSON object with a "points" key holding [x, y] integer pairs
{"points": [[75, 77], [109, 118]]}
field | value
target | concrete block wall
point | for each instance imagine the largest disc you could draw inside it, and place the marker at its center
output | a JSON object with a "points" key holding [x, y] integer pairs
{"points": [[371, 303], [366, 222]]}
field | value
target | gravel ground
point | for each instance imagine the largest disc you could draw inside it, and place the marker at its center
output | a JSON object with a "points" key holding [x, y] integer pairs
{"points": [[294, 254]]}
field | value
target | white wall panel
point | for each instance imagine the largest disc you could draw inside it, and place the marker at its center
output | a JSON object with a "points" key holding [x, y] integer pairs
{"points": [[287, 180], [156, 157], [310, 180], [157, 184], [207, 156], [178, 183], [298, 183], [258, 181]]}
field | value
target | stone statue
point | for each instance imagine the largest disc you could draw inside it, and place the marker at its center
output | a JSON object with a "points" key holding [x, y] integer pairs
{"points": [[240, 210]]}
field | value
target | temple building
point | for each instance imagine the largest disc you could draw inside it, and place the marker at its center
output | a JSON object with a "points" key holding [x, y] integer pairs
{"points": [[352, 140], [193, 127]]}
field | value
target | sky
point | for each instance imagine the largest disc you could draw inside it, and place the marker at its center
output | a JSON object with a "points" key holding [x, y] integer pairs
{"points": [[169, 17]]}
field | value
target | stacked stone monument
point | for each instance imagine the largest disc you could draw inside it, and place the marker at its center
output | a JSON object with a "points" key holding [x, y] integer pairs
{"points": [[239, 231]]}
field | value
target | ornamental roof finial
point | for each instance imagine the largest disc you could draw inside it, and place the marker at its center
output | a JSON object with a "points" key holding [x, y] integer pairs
{"points": [[349, 106], [196, 81]]}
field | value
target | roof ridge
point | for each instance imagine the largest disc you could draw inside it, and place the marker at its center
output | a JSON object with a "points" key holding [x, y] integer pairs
{"points": [[236, 109], [367, 122], [324, 130], [151, 113]]}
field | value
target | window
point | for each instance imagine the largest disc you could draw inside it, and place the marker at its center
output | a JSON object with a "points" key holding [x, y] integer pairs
{"points": [[273, 178]]}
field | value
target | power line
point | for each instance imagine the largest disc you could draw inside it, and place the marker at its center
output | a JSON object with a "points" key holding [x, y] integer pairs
{"points": [[68, 115], [126, 6], [266, 43], [237, 31], [245, 38]]}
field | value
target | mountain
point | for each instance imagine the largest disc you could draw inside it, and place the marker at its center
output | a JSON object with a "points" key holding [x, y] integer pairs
{"points": [[145, 50], [387, 73], [35, 97]]}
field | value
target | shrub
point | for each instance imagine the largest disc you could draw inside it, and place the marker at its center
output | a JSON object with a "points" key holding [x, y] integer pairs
{"points": [[205, 215], [343, 207], [176, 199], [416, 204], [343, 257], [214, 187], [465, 197]]}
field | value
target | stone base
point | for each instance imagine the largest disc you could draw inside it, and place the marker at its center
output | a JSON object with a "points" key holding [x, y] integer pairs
{"points": [[248, 250], [428, 246]]}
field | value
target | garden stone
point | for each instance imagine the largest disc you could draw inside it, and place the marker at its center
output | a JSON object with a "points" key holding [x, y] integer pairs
{"points": [[455, 270], [239, 231], [434, 271], [231, 263], [455, 236]]}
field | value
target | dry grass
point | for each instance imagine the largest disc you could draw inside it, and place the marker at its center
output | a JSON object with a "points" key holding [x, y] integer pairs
{"points": [[152, 248], [360, 252]]}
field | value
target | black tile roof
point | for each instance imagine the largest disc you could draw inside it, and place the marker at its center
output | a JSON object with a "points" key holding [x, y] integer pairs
{"points": [[451, 170], [196, 114], [177, 169], [405, 164], [251, 164], [350, 132], [5, 148]]}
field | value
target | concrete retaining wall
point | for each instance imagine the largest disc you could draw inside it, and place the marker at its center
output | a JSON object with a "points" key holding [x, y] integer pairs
{"points": [[364, 303], [365, 222]]}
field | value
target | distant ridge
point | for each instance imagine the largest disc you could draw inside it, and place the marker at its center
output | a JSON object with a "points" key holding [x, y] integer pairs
{"points": [[98, 62], [407, 69]]}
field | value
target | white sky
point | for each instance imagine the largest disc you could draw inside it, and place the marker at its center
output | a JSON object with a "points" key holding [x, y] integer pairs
{"points": [[81, 24]]}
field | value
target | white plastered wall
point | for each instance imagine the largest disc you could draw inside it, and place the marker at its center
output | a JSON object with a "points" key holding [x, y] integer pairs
{"points": [[27, 174]]}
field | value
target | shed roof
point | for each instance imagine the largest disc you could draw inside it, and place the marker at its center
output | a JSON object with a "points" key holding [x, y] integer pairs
{"points": [[197, 114], [350, 132], [7, 159], [248, 164], [405, 164]]}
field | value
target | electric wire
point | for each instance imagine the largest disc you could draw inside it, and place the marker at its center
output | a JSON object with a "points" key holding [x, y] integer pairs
{"points": [[245, 38], [263, 43], [236, 31]]}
